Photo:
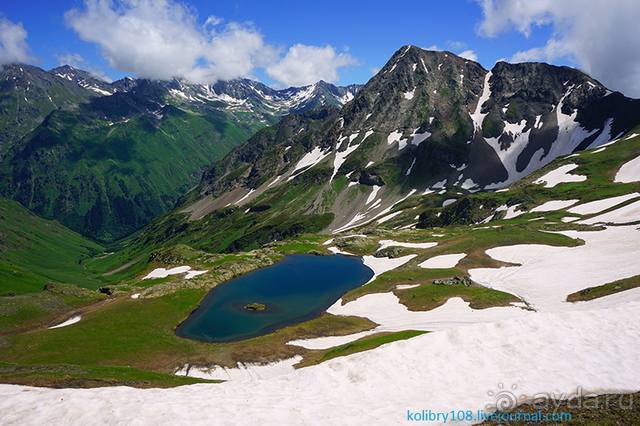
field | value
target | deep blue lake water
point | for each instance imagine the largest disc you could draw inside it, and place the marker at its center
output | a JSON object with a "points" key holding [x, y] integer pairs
{"points": [[296, 289]]}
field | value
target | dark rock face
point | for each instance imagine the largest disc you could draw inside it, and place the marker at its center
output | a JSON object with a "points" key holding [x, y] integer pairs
{"points": [[370, 179], [436, 84], [106, 290], [465, 281]]}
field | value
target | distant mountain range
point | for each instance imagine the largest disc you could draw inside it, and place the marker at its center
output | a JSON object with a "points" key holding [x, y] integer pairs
{"points": [[106, 158]]}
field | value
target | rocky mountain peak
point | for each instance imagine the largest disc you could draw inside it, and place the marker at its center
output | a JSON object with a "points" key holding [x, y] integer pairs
{"points": [[415, 89], [428, 121], [84, 79]]}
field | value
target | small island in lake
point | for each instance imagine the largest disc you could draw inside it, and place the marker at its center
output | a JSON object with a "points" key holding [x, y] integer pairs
{"points": [[255, 307]]}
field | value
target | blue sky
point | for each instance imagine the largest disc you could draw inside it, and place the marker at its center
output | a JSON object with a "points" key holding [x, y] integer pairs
{"points": [[369, 30], [362, 35]]}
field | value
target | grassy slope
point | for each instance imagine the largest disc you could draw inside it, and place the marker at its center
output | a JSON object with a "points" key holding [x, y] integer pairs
{"points": [[51, 306], [228, 230], [34, 251], [112, 178], [88, 377], [605, 289], [139, 333]]}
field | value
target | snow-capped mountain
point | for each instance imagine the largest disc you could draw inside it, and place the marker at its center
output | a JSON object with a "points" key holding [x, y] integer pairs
{"points": [[162, 134], [427, 121], [84, 79], [253, 96], [30, 93]]}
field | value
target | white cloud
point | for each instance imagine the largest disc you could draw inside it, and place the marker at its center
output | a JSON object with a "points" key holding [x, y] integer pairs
{"points": [[456, 45], [599, 36], [161, 39], [307, 64], [13, 42], [73, 59], [213, 21], [77, 61], [469, 54]]}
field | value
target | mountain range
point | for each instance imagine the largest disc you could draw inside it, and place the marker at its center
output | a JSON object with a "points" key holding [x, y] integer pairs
{"points": [[428, 122], [464, 196], [105, 158]]}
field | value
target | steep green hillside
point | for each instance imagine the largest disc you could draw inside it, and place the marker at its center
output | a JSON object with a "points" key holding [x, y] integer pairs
{"points": [[108, 169], [34, 252]]}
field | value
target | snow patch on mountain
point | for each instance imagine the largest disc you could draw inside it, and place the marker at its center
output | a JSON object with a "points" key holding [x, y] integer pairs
{"points": [[73, 320], [553, 205], [560, 175], [626, 214], [309, 160], [341, 156], [515, 351], [604, 136], [570, 135], [409, 94], [373, 194], [418, 138], [443, 261], [477, 116], [383, 244], [629, 171], [601, 205], [410, 167], [394, 137], [163, 273]]}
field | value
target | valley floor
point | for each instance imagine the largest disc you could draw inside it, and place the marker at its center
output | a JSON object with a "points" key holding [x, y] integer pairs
{"points": [[471, 359], [469, 317], [462, 368]]}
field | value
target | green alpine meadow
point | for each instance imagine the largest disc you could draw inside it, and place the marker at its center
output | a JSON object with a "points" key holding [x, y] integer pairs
{"points": [[337, 213]]}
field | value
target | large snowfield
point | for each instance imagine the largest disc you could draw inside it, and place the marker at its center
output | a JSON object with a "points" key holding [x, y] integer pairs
{"points": [[560, 349], [456, 368]]}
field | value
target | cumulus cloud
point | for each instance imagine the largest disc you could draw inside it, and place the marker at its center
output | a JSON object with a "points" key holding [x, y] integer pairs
{"points": [[73, 59], [598, 36], [13, 42], [456, 45], [162, 39], [307, 64]]}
